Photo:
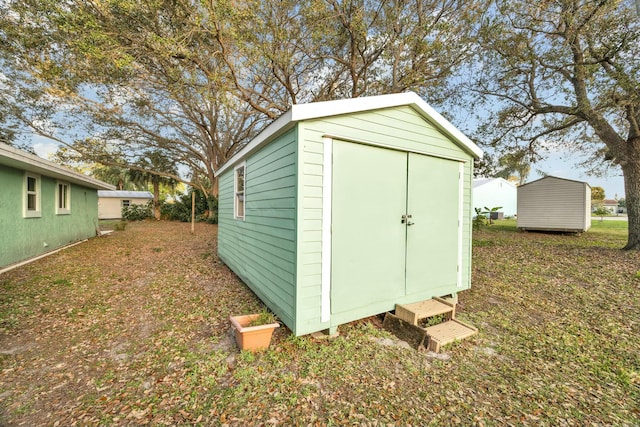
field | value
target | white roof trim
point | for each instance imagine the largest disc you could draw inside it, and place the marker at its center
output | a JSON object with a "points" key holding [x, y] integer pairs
{"points": [[315, 110], [16, 158], [479, 182], [556, 177], [125, 194]]}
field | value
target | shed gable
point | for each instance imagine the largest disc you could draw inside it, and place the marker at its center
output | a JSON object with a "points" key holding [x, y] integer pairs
{"points": [[400, 128]]}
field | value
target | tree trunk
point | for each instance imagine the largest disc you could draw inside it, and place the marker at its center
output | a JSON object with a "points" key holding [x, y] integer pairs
{"points": [[156, 198], [212, 197], [631, 172]]}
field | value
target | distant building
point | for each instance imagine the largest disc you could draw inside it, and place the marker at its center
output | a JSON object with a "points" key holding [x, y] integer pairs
{"points": [[494, 192], [554, 204], [110, 203], [609, 204]]}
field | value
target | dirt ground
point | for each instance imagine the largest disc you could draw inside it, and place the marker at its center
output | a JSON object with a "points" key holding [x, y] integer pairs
{"points": [[100, 310], [133, 329]]}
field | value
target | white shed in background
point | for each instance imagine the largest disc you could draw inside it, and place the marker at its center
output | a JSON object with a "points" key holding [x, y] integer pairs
{"points": [[494, 192], [554, 204], [110, 203]]}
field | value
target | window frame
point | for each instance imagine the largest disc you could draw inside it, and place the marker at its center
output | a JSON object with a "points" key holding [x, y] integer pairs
{"points": [[66, 209], [37, 212], [240, 195]]}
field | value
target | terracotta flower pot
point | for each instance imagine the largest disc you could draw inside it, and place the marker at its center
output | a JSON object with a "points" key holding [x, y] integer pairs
{"points": [[252, 338]]}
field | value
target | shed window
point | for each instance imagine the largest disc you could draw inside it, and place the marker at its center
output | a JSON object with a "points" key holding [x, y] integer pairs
{"points": [[126, 203], [239, 191], [63, 198], [31, 195]]}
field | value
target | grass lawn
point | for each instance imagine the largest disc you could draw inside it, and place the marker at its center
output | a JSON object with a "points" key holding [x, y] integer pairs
{"points": [[132, 329]]}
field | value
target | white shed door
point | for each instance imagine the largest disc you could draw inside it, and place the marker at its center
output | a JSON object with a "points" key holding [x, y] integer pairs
{"points": [[433, 238], [368, 241], [377, 257]]}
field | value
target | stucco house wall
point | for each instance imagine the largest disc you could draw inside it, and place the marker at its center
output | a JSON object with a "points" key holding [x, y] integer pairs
{"points": [[43, 206]]}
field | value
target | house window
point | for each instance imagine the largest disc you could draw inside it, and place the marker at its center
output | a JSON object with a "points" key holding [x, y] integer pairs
{"points": [[239, 192], [63, 198], [31, 195]]}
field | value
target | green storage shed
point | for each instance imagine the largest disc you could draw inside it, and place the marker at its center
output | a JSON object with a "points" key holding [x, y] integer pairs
{"points": [[339, 210]]}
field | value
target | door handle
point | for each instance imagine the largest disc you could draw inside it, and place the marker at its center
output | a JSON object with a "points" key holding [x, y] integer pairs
{"points": [[405, 219]]}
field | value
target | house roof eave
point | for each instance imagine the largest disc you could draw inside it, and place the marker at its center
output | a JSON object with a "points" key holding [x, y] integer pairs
{"points": [[19, 159]]}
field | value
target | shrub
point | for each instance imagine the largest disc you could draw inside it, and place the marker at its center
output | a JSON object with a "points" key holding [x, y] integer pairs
{"points": [[180, 210], [137, 212], [480, 220]]}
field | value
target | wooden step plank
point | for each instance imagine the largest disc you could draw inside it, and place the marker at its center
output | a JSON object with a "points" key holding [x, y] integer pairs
{"points": [[412, 313], [448, 332]]}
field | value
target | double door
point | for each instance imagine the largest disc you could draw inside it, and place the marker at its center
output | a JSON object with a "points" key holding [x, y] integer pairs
{"points": [[395, 226]]}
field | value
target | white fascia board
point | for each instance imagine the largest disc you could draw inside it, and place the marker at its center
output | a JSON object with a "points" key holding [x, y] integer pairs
{"points": [[555, 177], [316, 110], [16, 158], [125, 194]]}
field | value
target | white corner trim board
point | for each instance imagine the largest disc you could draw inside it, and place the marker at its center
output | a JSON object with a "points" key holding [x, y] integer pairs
{"points": [[460, 219], [327, 171]]}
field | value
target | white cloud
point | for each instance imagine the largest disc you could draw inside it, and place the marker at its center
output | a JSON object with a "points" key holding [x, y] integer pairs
{"points": [[45, 148]]}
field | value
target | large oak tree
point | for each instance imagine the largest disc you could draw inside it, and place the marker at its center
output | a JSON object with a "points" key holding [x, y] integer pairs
{"points": [[566, 71], [197, 79]]}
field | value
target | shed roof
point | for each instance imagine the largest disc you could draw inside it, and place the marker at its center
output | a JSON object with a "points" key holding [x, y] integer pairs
{"points": [[556, 177], [19, 159], [478, 182], [315, 110], [125, 194]]}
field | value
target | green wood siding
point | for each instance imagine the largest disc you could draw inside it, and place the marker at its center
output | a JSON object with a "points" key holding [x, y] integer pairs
{"points": [[309, 245], [399, 128], [261, 249], [24, 238]]}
